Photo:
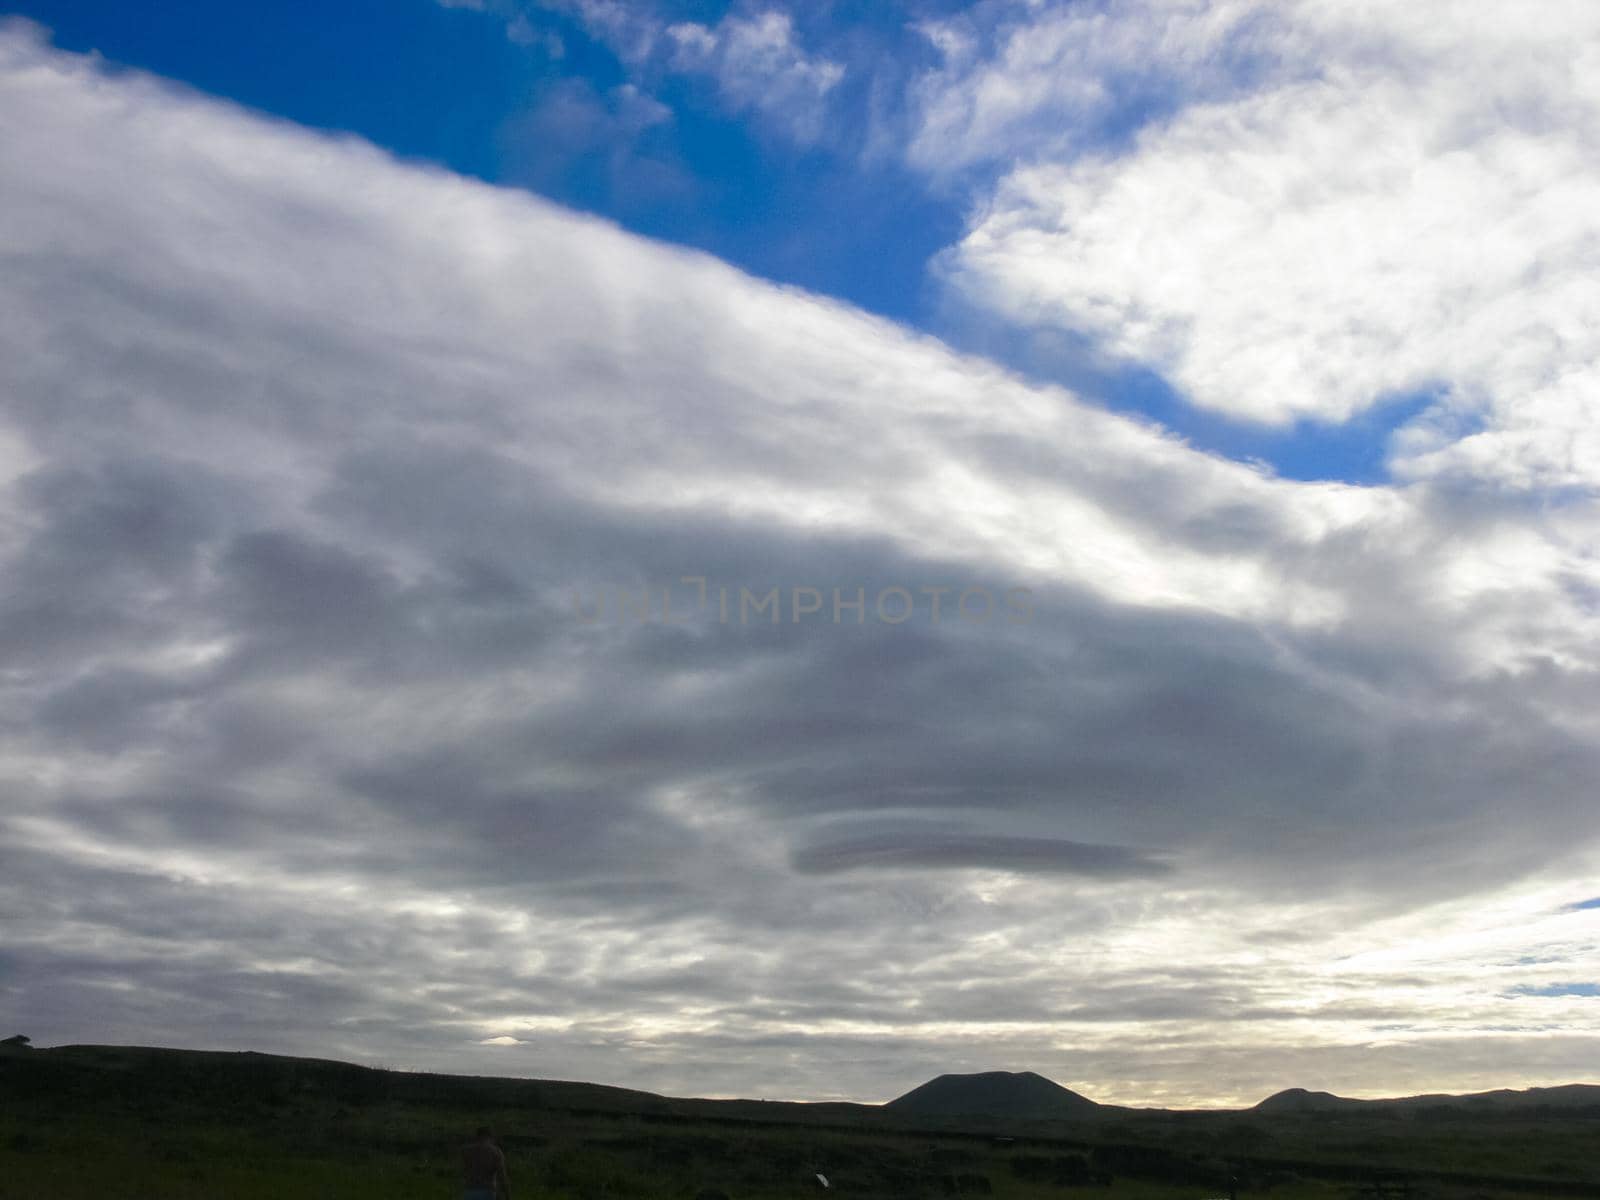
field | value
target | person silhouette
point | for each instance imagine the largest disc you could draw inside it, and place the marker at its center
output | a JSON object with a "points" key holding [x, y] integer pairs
{"points": [[483, 1169]]}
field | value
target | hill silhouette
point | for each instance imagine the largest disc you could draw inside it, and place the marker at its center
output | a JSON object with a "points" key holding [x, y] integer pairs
{"points": [[1299, 1100], [1020, 1094], [1569, 1096], [124, 1112], [1001, 1095]]}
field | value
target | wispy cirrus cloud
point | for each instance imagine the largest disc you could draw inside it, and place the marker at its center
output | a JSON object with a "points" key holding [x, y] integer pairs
{"points": [[754, 58], [759, 65]]}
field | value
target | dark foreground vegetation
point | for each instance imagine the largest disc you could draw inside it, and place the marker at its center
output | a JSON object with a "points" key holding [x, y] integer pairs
{"points": [[81, 1122]]}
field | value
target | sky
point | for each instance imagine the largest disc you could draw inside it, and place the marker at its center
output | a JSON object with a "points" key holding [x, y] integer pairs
{"points": [[783, 550]]}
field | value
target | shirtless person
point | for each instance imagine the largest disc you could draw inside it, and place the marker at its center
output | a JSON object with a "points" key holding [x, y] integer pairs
{"points": [[484, 1169]]}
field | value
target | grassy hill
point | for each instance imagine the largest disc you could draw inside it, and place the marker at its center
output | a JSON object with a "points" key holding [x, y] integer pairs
{"points": [[993, 1094], [1298, 1100], [1572, 1097]]}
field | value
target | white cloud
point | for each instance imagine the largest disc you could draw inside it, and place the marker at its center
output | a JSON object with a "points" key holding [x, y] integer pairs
{"points": [[760, 66], [1346, 204], [628, 28], [1025, 81], [755, 60], [305, 451]]}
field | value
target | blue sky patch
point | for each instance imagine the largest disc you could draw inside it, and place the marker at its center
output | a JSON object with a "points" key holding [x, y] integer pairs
{"points": [[1560, 989]]}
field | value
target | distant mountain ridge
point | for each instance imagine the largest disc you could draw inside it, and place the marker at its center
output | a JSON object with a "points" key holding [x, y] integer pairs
{"points": [[1021, 1094], [1571, 1095], [997, 1095]]}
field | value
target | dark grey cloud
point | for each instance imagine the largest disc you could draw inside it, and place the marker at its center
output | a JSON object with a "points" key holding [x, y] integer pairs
{"points": [[919, 848]]}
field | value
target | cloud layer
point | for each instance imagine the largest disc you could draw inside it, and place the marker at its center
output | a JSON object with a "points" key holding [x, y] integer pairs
{"points": [[311, 463]]}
